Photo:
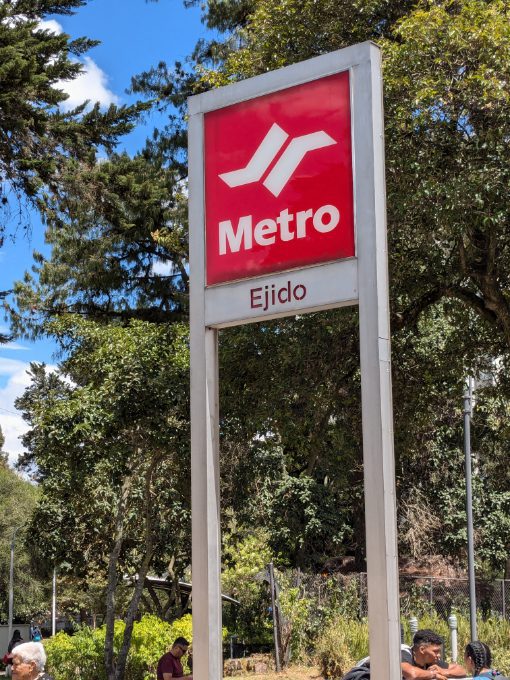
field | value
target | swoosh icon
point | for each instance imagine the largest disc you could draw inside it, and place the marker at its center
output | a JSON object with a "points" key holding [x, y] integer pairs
{"points": [[260, 161], [287, 164]]}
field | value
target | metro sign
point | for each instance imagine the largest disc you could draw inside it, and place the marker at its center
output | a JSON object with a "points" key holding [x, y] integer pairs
{"points": [[279, 181], [287, 216]]}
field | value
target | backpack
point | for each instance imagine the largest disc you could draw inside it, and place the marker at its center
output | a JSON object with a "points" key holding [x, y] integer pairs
{"points": [[366, 660], [358, 673]]}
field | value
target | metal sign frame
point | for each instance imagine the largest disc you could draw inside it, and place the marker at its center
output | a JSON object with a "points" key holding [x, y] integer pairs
{"points": [[361, 280]]}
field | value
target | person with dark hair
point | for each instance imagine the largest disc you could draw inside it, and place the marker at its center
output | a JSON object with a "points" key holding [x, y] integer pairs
{"points": [[478, 661], [424, 661], [169, 666], [15, 640]]}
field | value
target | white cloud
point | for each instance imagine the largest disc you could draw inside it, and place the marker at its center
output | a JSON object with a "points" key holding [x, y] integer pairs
{"points": [[13, 425], [14, 347], [90, 84], [162, 268], [50, 25], [12, 366]]}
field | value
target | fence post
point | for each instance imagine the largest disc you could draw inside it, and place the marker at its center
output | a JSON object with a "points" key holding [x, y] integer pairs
{"points": [[275, 619], [503, 597], [452, 622], [431, 595], [361, 608], [413, 627]]}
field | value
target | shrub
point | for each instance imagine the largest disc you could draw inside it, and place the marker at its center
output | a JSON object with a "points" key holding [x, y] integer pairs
{"points": [[334, 653], [246, 554], [152, 638], [81, 655]]}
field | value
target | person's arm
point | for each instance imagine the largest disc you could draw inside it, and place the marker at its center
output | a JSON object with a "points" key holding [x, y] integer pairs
{"points": [[453, 670], [410, 672]]}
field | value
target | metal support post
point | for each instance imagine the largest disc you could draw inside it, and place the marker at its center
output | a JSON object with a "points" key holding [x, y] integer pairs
{"points": [[468, 397], [232, 638], [54, 603], [413, 627], [377, 409], [361, 594], [205, 499], [452, 623], [503, 598], [275, 619], [11, 584], [205, 469]]}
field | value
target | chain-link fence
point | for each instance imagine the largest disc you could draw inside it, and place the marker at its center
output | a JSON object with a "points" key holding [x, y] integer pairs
{"points": [[419, 595]]}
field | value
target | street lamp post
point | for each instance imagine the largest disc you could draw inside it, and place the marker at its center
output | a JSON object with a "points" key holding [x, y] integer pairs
{"points": [[11, 583], [468, 410], [54, 603]]}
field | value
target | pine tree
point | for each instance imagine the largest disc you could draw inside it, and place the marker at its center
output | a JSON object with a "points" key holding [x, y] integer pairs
{"points": [[38, 139]]}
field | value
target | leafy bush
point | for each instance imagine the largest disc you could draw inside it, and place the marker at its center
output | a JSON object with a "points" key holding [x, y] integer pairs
{"points": [[296, 612], [152, 638], [334, 654], [81, 655], [246, 555]]}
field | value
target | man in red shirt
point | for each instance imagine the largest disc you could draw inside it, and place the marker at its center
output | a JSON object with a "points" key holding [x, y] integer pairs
{"points": [[169, 666]]}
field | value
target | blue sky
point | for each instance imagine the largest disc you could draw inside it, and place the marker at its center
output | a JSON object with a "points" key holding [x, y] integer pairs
{"points": [[134, 35]]}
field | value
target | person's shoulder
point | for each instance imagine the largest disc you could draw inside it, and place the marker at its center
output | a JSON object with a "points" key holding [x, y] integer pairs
{"points": [[406, 655], [168, 661]]}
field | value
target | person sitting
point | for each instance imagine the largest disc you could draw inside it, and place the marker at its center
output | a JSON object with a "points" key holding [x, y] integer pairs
{"points": [[169, 666], [424, 661], [28, 662], [478, 661]]}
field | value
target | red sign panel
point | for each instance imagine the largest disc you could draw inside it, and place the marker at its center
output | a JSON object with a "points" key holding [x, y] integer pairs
{"points": [[278, 181]]}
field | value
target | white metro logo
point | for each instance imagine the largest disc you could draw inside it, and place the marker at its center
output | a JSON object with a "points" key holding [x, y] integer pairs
{"points": [[286, 165]]}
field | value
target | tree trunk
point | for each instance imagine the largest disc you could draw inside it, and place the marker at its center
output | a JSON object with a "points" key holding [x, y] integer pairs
{"points": [[120, 669], [142, 573], [113, 580]]}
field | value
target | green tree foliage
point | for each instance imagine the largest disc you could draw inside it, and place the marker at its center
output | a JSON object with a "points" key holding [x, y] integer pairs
{"points": [[290, 415], [109, 439], [103, 259], [246, 555], [446, 71], [18, 500], [3, 454], [82, 652], [36, 138]]}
